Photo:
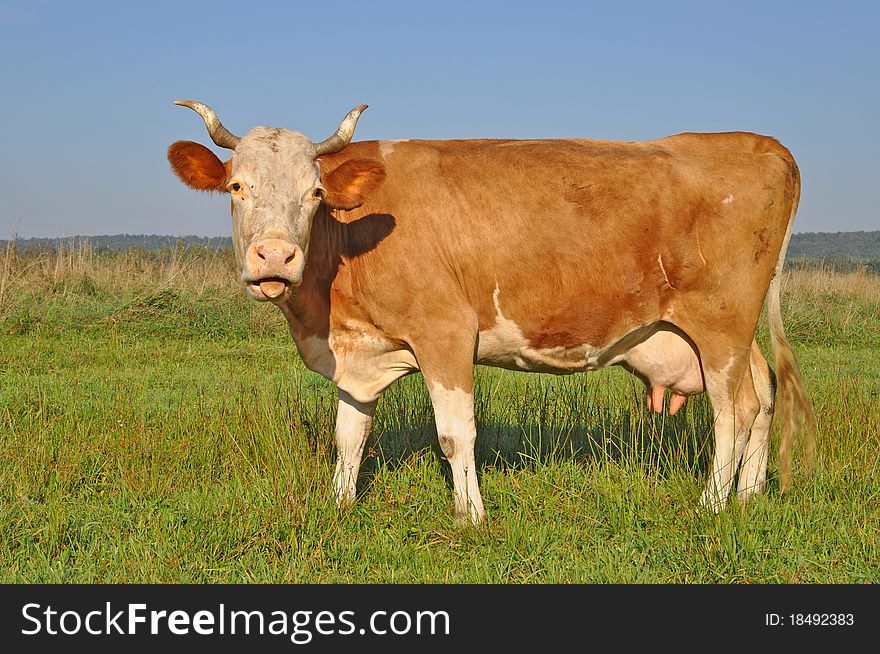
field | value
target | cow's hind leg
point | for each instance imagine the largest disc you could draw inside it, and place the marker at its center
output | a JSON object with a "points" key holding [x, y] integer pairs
{"points": [[753, 471], [457, 433], [735, 406], [353, 420], [447, 362]]}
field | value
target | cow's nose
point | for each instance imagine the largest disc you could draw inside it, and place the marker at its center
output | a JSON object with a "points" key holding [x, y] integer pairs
{"points": [[273, 254], [274, 257]]}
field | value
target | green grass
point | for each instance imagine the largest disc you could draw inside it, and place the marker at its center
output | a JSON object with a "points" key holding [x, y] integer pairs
{"points": [[153, 433]]}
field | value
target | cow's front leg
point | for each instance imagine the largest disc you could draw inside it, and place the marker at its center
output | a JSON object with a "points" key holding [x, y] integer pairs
{"points": [[353, 420], [446, 360]]}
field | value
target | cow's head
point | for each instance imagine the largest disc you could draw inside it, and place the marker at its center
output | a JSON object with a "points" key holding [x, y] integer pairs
{"points": [[276, 187]]}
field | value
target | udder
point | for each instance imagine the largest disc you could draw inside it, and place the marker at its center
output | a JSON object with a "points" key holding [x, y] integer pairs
{"points": [[666, 361]]}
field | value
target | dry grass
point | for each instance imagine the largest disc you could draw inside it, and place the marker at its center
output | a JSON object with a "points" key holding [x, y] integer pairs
{"points": [[75, 269], [826, 281], [74, 262], [74, 266]]}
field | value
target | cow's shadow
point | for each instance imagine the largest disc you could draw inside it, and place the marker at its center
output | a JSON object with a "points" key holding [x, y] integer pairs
{"points": [[664, 444]]}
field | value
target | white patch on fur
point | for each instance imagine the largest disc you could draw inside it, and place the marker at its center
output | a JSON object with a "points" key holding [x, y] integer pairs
{"points": [[456, 431], [725, 371], [728, 199], [359, 362], [753, 469], [455, 407], [663, 270], [506, 346], [725, 461], [387, 147], [269, 210], [353, 421]]}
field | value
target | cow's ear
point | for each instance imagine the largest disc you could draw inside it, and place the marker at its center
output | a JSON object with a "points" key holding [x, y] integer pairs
{"points": [[198, 167], [349, 185]]}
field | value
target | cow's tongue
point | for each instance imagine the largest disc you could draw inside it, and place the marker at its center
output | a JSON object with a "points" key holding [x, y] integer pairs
{"points": [[272, 287]]}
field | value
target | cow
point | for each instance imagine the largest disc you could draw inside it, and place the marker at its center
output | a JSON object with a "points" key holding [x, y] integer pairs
{"points": [[566, 255]]}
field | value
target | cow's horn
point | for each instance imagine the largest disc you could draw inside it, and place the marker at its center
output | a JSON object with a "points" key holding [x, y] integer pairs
{"points": [[343, 135], [219, 134]]}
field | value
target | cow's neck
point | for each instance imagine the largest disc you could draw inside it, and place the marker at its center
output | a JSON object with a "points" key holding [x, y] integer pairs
{"points": [[326, 281]]}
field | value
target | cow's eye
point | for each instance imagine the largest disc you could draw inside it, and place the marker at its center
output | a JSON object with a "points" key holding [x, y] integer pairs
{"points": [[236, 187], [319, 193]]}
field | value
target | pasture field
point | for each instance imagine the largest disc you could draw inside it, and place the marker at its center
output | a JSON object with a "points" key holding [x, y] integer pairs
{"points": [[157, 426]]}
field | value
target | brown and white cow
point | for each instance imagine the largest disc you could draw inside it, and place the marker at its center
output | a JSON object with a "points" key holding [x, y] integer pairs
{"points": [[558, 256]]}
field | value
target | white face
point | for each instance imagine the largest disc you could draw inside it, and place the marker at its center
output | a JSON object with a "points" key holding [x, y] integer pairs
{"points": [[275, 187]]}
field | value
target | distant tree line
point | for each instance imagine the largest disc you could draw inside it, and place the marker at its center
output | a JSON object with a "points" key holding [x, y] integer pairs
{"points": [[838, 251], [855, 245], [118, 242]]}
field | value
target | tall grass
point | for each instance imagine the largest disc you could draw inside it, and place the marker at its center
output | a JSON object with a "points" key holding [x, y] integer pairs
{"points": [[155, 425]]}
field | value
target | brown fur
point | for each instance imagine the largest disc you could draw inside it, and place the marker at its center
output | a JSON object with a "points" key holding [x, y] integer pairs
{"points": [[198, 167], [351, 182], [582, 271], [493, 209]]}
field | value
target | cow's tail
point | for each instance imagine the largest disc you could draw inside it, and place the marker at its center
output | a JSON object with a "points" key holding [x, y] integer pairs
{"points": [[794, 412]]}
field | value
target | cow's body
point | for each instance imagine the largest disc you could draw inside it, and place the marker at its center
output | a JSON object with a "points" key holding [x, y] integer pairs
{"points": [[555, 256], [560, 253]]}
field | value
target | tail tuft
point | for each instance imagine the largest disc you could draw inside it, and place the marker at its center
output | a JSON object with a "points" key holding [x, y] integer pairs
{"points": [[794, 410], [795, 413]]}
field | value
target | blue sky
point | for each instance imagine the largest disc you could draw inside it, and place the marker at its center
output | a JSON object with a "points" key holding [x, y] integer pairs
{"points": [[88, 88]]}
